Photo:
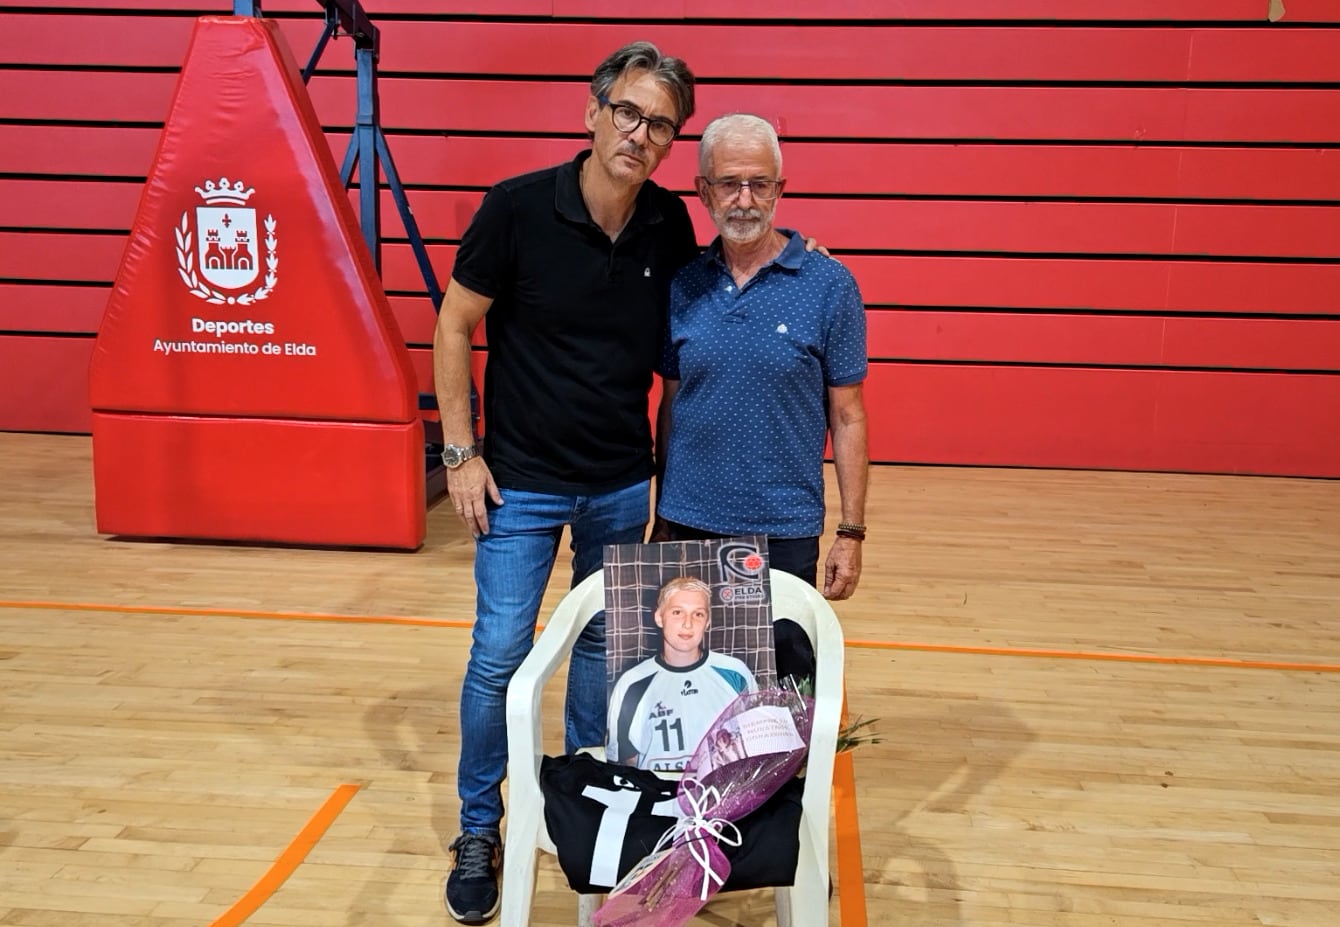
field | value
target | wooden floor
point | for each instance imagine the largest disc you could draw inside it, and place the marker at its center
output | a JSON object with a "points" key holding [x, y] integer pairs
{"points": [[1107, 699]]}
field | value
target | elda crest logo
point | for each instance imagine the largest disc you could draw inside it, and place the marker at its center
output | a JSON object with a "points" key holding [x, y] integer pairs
{"points": [[742, 566], [223, 242]]}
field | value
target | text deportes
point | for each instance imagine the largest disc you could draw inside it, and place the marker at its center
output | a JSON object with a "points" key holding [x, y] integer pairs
{"points": [[241, 327]]}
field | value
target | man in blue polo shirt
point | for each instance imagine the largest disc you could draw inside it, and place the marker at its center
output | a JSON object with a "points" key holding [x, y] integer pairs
{"points": [[763, 358]]}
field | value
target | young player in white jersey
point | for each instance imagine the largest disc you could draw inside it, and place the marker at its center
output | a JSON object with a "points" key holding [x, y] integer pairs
{"points": [[661, 708]]}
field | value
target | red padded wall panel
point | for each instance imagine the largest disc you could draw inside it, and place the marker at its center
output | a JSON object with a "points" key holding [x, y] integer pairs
{"points": [[992, 112], [1158, 10], [924, 225], [1078, 283], [73, 204], [1143, 114], [85, 95], [1164, 172], [1283, 344], [1137, 10], [1120, 419], [1104, 339], [1252, 11], [1062, 283], [855, 168], [400, 269], [49, 256], [984, 226], [417, 317], [143, 41], [96, 151], [44, 383], [51, 308], [818, 51], [422, 361]]}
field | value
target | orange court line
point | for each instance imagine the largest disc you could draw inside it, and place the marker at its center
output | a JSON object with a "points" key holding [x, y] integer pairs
{"points": [[1163, 659], [241, 613], [847, 827], [289, 860]]}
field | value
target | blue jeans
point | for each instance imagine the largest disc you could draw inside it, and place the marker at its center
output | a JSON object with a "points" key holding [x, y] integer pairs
{"points": [[512, 566]]}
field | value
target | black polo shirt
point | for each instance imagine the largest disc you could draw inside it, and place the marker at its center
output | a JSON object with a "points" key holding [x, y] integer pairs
{"points": [[574, 330]]}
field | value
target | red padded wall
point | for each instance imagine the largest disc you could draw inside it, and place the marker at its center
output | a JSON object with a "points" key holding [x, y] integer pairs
{"points": [[1088, 233]]}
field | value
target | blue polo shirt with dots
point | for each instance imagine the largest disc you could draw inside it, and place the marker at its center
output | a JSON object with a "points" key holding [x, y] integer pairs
{"points": [[750, 423]]}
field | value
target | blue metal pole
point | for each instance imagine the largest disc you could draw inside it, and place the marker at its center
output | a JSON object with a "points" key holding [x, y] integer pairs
{"points": [[326, 34], [411, 225], [365, 132]]}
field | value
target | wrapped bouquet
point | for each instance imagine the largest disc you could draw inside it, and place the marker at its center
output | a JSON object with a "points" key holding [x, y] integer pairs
{"points": [[756, 744]]}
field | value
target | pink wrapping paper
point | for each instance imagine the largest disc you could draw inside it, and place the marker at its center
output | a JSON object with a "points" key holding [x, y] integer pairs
{"points": [[757, 743]]}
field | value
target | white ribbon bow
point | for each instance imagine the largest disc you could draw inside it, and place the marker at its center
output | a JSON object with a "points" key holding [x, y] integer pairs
{"points": [[694, 828]]}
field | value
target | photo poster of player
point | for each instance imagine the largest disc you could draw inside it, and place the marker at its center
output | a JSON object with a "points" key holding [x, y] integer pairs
{"points": [[688, 627]]}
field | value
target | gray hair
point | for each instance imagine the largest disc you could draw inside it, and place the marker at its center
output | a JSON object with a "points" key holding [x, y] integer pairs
{"points": [[737, 126], [671, 73]]}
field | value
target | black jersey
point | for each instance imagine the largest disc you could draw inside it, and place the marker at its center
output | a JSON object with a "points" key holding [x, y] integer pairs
{"points": [[604, 818]]}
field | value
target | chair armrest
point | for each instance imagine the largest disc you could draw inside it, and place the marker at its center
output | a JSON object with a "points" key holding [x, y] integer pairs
{"points": [[816, 615], [829, 691]]}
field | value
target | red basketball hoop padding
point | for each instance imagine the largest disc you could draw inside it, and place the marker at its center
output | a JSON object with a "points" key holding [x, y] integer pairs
{"points": [[247, 305], [257, 299], [318, 483]]}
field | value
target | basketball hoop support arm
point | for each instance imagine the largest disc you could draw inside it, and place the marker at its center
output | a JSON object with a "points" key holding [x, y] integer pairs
{"points": [[367, 149]]}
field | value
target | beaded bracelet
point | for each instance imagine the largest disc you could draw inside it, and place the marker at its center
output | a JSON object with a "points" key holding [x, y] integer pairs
{"points": [[851, 530]]}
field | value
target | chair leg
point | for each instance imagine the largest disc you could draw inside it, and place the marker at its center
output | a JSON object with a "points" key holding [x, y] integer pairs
{"points": [[784, 918], [518, 885], [586, 909], [807, 898]]}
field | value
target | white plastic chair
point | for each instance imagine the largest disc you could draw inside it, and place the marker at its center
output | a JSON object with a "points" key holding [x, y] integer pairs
{"points": [[804, 903]]}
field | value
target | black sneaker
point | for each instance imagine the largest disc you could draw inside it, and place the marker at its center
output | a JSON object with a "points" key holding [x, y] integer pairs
{"points": [[472, 887]]}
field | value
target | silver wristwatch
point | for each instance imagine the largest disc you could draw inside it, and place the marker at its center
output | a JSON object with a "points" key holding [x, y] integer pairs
{"points": [[453, 455]]}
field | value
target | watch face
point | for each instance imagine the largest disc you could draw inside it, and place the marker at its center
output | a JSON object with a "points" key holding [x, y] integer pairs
{"points": [[454, 456]]}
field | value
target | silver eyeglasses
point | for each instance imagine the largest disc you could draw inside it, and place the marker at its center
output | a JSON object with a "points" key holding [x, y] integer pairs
{"points": [[759, 189]]}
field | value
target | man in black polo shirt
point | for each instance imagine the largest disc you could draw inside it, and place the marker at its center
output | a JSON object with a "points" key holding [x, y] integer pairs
{"points": [[571, 267]]}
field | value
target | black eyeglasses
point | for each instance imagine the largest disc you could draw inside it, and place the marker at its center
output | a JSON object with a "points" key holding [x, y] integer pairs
{"points": [[627, 118], [729, 189]]}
